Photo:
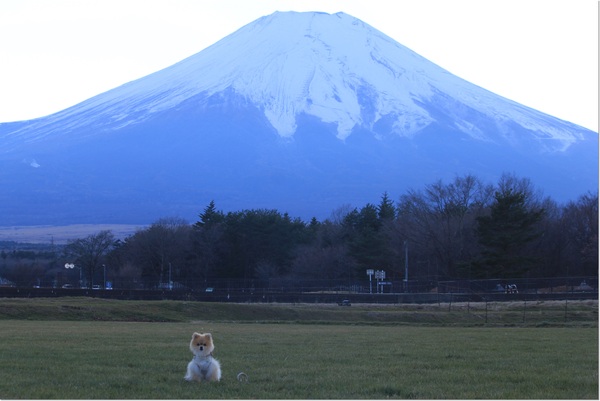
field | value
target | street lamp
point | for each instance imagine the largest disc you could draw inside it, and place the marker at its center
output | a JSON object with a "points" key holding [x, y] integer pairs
{"points": [[104, 267], [370, 273], [72, 266]]}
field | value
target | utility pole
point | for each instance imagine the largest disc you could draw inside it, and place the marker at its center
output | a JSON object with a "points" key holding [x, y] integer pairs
{"points": [[406, 266]]}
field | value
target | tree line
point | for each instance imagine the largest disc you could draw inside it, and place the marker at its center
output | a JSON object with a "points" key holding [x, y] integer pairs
{"points": [[464, 229]]}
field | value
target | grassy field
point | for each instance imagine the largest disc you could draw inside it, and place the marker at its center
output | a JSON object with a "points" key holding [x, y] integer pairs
{"points": [[521, 314], [62, 234], [287, 351]]}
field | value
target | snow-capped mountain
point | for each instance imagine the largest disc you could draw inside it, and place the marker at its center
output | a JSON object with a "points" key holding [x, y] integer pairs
{"points": [[301, 112]]}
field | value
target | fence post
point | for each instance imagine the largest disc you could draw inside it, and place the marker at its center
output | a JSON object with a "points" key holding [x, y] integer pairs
{"points": [[486, 311]]}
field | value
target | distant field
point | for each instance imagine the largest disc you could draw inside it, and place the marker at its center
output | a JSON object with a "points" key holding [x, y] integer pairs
{"points": [[510, 314], [62, 234]]}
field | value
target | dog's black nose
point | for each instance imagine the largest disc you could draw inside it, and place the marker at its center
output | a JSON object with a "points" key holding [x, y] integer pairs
{"points": [[201, 348]]}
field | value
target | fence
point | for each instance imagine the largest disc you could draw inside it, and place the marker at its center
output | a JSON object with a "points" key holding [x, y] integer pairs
{"points": [[315, 291], [522, 285], [542, 309]]}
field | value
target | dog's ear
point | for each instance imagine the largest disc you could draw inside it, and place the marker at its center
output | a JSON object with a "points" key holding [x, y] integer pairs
{"points": [[195, 335], [208, 335]]}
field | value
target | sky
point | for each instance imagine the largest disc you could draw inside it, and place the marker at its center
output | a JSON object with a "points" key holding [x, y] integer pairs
{"points": [[540, 53]]}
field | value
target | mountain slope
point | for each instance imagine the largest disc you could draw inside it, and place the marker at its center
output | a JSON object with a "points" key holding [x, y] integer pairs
{"points": [[302, 112]]}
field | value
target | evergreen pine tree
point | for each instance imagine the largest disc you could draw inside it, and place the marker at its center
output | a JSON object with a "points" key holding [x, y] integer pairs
{"points": [[505, 234], [210, 216], [386, 209]]}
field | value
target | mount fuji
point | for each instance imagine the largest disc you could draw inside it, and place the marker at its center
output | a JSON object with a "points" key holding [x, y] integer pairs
{"points": [[300, 112]]}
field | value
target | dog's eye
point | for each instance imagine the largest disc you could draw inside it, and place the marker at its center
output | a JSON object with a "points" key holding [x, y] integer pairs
{"points": [[197, 345]]}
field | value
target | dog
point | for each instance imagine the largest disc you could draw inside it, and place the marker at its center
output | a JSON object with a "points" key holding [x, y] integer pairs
{"points": [[203, 367]]}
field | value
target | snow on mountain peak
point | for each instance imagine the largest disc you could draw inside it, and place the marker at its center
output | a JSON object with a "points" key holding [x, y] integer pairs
{"points": [[331, 66], [334, 67], [158, 145]]}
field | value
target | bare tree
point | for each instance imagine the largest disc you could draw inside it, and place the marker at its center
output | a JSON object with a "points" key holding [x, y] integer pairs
{"points": [[339, 214], [534, 197], [580, 225], [440, 220], [89, 253], [160, 250]]}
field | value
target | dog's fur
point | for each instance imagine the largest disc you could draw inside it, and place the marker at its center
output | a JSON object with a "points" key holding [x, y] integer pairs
{"points": [[203, 366]]}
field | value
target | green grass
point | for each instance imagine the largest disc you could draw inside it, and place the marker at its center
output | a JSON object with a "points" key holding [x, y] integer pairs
{"points": [[534, 314], [370, 352]]}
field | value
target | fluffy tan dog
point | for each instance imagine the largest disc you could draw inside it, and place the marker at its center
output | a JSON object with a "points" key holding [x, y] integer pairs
{"points": [[203, 366]]}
